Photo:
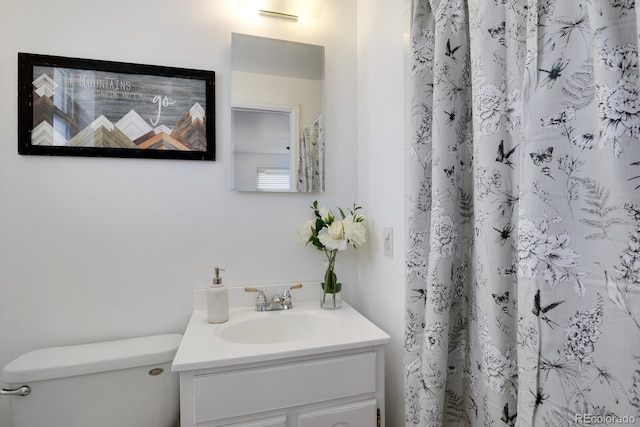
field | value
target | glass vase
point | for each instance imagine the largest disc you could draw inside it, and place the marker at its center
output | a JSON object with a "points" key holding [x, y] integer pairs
{"points": [[331, 298], [331, 301]]}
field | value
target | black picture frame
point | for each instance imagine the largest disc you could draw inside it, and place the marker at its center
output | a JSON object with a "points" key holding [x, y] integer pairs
{"points": [[95, 108]]}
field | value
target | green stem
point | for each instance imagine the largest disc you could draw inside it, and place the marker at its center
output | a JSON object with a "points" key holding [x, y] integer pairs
{"points": [[330, 284]]}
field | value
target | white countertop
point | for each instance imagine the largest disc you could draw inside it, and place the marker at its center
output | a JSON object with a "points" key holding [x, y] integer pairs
{"points": [[202, 348]]}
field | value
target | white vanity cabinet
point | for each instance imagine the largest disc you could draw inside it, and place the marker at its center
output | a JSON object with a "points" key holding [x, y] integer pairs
{"points": [[301, 367], [344, 389]]}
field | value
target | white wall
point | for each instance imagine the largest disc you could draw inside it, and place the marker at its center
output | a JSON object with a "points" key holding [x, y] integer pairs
{"points": [[382, 52], [263, 88], [94, 249]]}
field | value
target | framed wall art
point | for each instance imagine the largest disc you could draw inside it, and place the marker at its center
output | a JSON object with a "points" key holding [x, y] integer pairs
{"points": [[84, 107]]}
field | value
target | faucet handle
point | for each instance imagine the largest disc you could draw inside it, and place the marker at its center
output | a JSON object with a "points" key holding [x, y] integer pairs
{"points": [[261, 300], [287, 292], [286, 296]]}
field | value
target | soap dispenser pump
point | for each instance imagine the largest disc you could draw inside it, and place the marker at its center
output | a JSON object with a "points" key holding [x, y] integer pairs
{"points": [[217, 300]]}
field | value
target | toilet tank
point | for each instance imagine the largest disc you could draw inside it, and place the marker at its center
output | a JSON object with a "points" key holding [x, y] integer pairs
{"points": [[125, 383]]}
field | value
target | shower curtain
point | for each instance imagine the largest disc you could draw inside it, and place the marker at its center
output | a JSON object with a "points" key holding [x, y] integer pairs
{"points": [[311, 157], [523, 254]]}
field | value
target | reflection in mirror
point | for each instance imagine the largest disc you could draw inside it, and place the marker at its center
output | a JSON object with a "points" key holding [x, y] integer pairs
{"points": [[277, 98]]}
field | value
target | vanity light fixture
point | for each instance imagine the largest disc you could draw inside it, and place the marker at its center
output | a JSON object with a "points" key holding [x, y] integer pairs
{"points": [[286, 9], [278, 14]]}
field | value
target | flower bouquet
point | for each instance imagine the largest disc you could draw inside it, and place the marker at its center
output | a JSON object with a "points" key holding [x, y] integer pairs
{"points": [[330, 235]]}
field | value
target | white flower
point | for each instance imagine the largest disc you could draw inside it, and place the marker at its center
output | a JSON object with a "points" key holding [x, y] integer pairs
{"points": [[444, 235], [354, 231], [497, 367], [433, 336], [306, 231], [424, 132], [582, 333], [328, 234], [431, 341], [332, 236], [410, 340], [586, 141], [422, 49], [422, 200], [560, 254], [416, 259], [490, 103], [619, 110], [325, 214], [623, 57], [533, 247]]}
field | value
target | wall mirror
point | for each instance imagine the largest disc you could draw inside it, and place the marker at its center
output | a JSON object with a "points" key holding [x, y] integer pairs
{"points": [[277, 115]]}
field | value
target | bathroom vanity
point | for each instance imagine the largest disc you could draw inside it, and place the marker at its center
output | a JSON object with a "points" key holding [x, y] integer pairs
{"points": [[303, 367]]}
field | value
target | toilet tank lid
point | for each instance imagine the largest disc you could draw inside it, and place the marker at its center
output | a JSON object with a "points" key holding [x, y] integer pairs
{"points": [[68, 361]]}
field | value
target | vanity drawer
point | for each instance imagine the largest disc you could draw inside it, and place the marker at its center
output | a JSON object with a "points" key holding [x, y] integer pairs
{"points": [[358, 414], [283, 386]]}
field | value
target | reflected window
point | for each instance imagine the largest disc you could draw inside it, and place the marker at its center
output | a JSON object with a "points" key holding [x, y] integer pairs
{"points": [[273, 179]]}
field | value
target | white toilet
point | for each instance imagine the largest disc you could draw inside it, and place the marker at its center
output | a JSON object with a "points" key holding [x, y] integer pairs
{"points": [[125, 383]]}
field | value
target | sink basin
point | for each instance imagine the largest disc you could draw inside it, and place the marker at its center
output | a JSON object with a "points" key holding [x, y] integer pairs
{"points": [[279, 327]]}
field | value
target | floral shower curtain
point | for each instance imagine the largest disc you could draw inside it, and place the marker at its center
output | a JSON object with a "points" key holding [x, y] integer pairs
{"points": [[310, 176], [523, 304]]}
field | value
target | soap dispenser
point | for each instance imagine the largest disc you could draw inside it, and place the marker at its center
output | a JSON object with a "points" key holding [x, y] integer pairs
{"points": [[217, 300]]}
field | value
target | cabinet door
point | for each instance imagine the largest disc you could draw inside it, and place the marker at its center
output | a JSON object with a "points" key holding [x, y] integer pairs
{"points": [[267, 422], [358, 414]]}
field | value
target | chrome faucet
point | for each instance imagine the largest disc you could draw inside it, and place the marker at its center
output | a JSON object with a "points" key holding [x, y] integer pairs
{"points": [[278, 302]]}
